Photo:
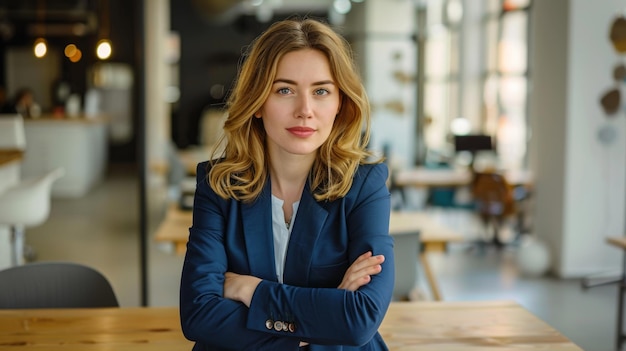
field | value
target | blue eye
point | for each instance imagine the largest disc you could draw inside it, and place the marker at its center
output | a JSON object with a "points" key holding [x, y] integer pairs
{"points": [[322, 92], [283, 91]]}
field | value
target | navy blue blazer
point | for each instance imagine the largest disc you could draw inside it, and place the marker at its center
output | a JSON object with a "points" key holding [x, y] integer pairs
{"points": [[327, 236]]}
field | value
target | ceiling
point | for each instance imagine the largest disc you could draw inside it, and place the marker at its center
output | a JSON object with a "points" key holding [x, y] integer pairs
{"points": [[31, 18], [225, 10], [53, 17]]}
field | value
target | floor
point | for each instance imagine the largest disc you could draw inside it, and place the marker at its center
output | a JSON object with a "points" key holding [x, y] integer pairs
{"points": [[101, 230]]}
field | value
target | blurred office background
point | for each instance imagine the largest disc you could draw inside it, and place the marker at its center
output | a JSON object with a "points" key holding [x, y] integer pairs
{"points": [[528, 74]]}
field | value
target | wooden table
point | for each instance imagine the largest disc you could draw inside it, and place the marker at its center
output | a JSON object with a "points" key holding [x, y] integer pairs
{"points": [[10, 161], [9, 156], [10, 175], [452, 177], [419, 326], [433, 236], [620, 242], [468, 326], [136, 329]]}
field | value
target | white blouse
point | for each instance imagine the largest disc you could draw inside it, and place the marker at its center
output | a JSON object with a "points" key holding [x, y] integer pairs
{"points": [[282, 231]]}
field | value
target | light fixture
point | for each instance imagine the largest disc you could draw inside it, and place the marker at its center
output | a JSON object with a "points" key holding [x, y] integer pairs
{"points": [[40, 48], [104, 49], [460, 126], [73, 53]]}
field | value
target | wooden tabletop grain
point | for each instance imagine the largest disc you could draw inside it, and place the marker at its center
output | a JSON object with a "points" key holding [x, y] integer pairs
{"points": [[420, 326]]}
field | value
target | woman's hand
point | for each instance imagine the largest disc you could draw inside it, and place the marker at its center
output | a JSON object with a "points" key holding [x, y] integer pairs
{"points": [[360, 271], [240, 287]]}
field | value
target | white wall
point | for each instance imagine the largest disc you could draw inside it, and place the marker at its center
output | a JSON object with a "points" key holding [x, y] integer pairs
{"points": [[382, 32], [594, 189], [157, 28], [580, 188]]}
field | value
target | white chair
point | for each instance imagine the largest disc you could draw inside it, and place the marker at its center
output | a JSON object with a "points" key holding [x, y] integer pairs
{"points": [[26, 204], [12, 135]]}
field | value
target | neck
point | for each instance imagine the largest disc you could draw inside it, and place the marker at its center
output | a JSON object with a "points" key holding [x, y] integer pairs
{"points": [[288, 178]]}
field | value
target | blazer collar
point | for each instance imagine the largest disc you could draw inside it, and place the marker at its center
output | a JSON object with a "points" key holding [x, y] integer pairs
{"points": [[307, 227], [259, 236]]}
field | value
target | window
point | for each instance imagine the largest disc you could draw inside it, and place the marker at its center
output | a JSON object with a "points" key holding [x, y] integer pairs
{"points": [[497, 55], [505, 83]]}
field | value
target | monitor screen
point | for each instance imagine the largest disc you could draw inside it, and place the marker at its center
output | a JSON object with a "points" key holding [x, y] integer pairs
{"points": [[477, 142]]}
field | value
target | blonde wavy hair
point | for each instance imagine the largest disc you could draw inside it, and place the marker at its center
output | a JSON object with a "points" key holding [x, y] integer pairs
{"points": [[243, 168]]}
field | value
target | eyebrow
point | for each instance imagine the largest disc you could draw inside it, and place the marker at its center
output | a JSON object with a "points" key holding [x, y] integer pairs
{"points": [[289, 81]]}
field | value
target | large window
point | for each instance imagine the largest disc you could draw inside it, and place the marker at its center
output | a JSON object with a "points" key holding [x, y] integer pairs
{"points": [[505, 83], [490, 65], [441, 79]]}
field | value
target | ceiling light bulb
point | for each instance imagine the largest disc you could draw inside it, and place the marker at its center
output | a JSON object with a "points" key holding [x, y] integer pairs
{"points": [[40, 48], [104, 49]]}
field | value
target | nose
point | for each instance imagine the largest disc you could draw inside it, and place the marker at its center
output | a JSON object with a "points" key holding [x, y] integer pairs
{"points": [[304, 106]]}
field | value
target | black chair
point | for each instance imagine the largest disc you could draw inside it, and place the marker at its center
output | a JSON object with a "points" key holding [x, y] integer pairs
{"points": [[54, 285]]}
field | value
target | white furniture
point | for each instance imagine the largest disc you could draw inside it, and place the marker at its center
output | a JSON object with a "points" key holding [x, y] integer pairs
{"points": [[9, 176], [79, 145], [12, 145], [12, 136], [26, 204]]}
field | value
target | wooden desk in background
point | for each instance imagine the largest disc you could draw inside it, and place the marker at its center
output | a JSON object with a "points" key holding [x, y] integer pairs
{"points": [[10, 175], [450, 177], [10, 161], [419, 326], [433, 236], [8, 156]]}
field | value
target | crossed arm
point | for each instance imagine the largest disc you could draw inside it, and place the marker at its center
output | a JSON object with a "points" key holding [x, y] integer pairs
{"points": [[239, 287]]}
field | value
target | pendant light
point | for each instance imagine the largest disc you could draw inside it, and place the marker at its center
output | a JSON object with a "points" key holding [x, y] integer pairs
{"points": [[104, 49], [40, 47]]}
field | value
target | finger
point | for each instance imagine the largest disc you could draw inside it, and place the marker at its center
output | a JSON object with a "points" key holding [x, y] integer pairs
{"points": [[355, 279], [356, 274], [367, 263], [361, 281]]}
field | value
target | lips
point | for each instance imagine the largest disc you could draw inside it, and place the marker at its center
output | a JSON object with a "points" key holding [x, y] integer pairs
{"points": [[301, 132]]}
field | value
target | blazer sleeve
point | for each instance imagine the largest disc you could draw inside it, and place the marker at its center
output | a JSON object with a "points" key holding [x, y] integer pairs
{"points": [[336, 316], [206, 316]]}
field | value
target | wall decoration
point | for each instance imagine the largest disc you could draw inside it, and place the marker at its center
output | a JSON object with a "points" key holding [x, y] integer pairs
{"points": [[611, 99]]}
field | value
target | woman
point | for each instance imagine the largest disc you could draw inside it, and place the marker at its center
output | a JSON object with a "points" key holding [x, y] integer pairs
{"points": [[290, 247]]}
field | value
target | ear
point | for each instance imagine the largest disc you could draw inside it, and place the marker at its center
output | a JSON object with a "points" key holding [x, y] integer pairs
{"points": [[258, 114]]}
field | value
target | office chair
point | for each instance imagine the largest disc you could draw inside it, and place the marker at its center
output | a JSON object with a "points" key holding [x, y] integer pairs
{"points": [[494, 202], [406, 251], [26, 204], [54, 285]]}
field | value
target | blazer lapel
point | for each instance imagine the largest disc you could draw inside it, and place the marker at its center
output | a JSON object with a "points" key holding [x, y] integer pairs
{"points": [[307, 227], [258, 234]]}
